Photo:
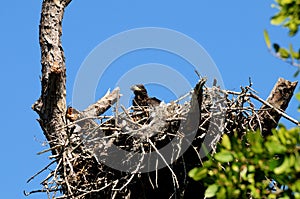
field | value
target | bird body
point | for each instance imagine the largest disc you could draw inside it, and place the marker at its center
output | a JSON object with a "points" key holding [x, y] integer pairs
{"points": [[141, 97]]}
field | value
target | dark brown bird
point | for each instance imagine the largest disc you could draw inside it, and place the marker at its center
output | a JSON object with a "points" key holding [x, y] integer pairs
{"points": [[141, 97]]}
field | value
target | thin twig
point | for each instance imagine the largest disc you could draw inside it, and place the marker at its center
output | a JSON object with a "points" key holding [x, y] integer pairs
{"points": [[166, 163], [46, 167], [283, 114]]}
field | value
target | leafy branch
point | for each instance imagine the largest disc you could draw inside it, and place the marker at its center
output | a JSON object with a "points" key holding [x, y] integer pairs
{"points": [[288, 17], [248, 167]]}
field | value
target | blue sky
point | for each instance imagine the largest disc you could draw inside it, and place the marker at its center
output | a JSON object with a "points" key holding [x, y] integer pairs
{"points": [[230, 31]]}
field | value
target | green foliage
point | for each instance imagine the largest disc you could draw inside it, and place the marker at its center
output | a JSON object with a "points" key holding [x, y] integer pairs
{"points": [[285, 54], [280, 51], [298, 98], [288, 15], [267, 39], [244, 167]]}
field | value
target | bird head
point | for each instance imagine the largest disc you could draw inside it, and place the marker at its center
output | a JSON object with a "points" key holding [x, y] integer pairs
{"points": [[139, 89]]}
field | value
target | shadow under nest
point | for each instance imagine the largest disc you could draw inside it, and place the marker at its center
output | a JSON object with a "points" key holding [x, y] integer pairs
{"points": [[147, 152]]}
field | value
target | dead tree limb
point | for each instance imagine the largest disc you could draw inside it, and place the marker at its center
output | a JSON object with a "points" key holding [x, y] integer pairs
{"points": [[277, 102], [51, 106], [102, 104]]}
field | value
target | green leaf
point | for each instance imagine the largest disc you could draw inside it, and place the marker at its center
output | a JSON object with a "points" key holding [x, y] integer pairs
{"points": [[243, 173], [297, 183], [275, 147], [276, 47], [286, 1], [267, 39], [221, 194], [284, 53], [298, 96], [297, 163], [296, 73], [293, 29], [226, 142], [198, 173], [278, 19], [211, 191], [274, 163], [283, 167], [273, 5], [292, 160], [224, 156], [294, 55], [256, 142], [291, 48]]}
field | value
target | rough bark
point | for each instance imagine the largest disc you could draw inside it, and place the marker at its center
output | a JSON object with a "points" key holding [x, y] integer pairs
{"points": [[51, 106], [274, 107]]}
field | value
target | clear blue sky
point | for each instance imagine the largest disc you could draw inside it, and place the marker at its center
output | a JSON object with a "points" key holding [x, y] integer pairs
{"points": [[230, 31]]}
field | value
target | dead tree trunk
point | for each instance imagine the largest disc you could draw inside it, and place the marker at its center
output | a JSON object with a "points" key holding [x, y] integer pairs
{"points": [[52, 109], [51, 106]]}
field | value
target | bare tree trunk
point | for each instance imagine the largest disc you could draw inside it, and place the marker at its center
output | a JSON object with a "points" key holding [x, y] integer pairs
{"points": [[54, 117], [51, 106]]}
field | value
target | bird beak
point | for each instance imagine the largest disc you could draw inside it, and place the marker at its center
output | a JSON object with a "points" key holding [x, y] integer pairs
{"points": [[135, 88]]}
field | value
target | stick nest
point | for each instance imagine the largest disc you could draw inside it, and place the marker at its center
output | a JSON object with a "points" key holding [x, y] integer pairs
{"points": [[81, 169]]}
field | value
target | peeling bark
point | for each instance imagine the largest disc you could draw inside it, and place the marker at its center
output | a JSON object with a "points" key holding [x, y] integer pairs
{"points": [[276, 104], [51, 106]]}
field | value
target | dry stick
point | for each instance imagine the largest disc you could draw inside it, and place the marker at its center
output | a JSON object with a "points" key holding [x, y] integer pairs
{"points": [[184, 96], [49, 149], [150, 180], [85, 118], [162, 157], [102, 104], [91, 191], [114, 195], [78, 144], [56, 169], [156, 174], [46, 167], [130, 119], [283, 114], [47, 178], [117, 108], [70, 165], [131, 177], [292, 63], [65, 175], [259, 123], [125, 111], [129, 180], [87, 192], [40, 191]]}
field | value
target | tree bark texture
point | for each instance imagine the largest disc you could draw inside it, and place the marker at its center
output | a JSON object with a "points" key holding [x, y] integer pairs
{"points": [[52, 109], [51, 106], [277, 102]]}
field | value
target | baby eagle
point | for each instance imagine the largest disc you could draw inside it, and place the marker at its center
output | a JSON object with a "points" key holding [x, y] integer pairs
{"points": [[141, 97]]}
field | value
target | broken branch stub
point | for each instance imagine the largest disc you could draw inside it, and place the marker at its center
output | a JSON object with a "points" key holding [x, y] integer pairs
{"points": [[276, 104]]}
